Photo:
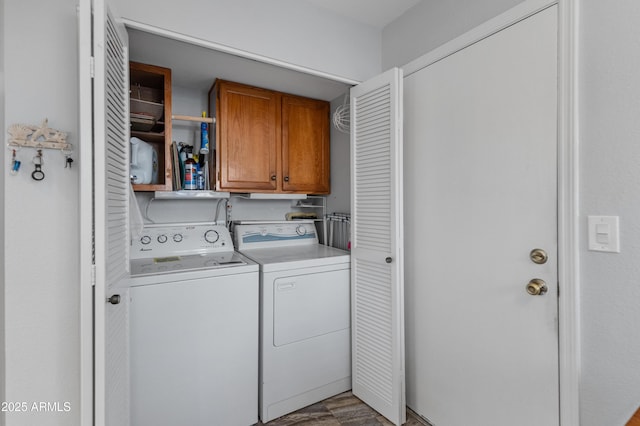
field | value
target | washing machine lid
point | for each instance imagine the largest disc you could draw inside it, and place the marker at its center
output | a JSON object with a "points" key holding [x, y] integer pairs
{"points": [[196, 262], [292, 257]]}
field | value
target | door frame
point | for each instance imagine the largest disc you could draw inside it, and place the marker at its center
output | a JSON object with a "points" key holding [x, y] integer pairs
{"points": [[568, 174], [85, 51]]}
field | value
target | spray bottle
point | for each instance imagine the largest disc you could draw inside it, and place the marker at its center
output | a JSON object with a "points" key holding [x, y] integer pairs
{"points": [[204, 131]]}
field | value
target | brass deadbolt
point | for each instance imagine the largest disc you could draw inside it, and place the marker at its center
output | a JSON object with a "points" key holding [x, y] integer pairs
{"points": [[538, 256]]}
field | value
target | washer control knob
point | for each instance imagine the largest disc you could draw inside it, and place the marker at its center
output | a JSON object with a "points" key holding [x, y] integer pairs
{"points": [[162, 239], [145, 239], [177, 237], [211, 236], [301, 230]]}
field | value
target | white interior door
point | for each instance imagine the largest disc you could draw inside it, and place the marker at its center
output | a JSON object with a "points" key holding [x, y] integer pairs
{"points": [[105, 203], [481, 193], [377, 299]]}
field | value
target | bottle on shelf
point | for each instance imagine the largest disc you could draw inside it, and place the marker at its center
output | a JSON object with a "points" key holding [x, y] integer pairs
{"points": [[200, 182], [204, 131], [190, 173]]}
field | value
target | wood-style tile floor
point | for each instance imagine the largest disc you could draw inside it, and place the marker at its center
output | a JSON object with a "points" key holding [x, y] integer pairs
{"points": [[342, 409]]}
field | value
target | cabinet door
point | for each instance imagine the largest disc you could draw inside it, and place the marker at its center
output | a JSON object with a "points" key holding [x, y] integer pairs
{"points": [[248, 136], [305, 145]]}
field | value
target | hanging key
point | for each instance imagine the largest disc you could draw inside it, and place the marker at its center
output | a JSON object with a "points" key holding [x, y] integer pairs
{"points": [[15, 163], [38, 174], [68, 162]]}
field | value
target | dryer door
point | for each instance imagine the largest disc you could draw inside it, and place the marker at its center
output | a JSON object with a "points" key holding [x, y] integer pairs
{"points": [[310, 305]]}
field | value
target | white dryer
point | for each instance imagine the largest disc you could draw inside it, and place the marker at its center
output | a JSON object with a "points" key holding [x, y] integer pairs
{"points": [[305, 332]]}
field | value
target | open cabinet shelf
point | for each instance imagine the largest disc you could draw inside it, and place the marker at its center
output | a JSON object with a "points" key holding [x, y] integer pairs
{"points": [[150, 96]]}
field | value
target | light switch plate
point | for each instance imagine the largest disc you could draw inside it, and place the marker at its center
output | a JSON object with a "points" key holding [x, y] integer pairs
{"points": [[604, 233]]}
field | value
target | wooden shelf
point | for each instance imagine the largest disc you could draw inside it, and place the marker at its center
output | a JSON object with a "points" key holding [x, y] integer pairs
{"points": [[191, 195], [149, 136]]}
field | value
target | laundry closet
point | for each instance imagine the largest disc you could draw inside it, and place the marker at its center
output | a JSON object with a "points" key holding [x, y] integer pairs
{"points": [[262, 330]]}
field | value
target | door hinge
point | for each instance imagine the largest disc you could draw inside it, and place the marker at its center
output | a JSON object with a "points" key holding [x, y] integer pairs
{"points": [[93, 275], [92, 67]]}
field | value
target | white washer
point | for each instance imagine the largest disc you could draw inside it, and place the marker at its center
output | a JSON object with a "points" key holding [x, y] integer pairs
{"points": [[305, 331], [193, 329]]}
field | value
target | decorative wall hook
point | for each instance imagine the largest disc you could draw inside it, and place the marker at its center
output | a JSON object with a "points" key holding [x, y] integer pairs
{"points": [[38, 136]]}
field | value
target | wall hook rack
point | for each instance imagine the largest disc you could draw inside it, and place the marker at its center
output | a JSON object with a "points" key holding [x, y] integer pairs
{"points": [[38, 137]]}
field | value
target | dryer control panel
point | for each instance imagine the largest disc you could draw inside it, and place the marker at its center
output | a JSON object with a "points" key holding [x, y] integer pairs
{"points": [[274, 234], [181, 239]]}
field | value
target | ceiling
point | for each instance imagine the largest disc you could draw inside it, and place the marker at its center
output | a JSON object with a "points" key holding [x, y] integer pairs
{"points": [[196, 67], [377, 13]]}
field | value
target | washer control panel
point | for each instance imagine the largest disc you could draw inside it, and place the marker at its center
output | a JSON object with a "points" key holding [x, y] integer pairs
{"points": [[181, 239]]}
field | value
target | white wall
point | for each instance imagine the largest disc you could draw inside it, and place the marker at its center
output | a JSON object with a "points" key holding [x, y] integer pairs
{"points": [[339, 201], [287, 30], [610, 176], [432, 23], [187, 101], [41, 218]]}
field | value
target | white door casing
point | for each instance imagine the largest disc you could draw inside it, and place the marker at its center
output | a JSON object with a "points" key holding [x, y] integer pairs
{"points": [[86, 210], [481, 192], [105, 208], [377, 266]]}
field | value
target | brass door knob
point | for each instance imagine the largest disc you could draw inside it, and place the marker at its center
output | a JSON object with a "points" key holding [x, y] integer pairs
{"points": [[537, 287], [538, 256]]}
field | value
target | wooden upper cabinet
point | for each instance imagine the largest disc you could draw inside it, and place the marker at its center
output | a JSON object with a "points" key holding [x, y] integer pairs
{"points": [[150, 109], [247, 137], [305, 145], [268, 141]]}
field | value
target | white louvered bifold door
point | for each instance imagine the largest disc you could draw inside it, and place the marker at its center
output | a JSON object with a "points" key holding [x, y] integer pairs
{"points": [[377, 297], [111, 210]]}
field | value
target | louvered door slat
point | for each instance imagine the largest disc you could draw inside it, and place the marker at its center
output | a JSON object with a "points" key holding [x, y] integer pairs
{"points": [[111, 217], [116, 157], [377, 305], [117, 229]]}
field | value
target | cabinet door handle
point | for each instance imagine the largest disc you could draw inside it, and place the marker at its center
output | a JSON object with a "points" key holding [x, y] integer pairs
{"points": [[286, 178], [273, 177]]}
